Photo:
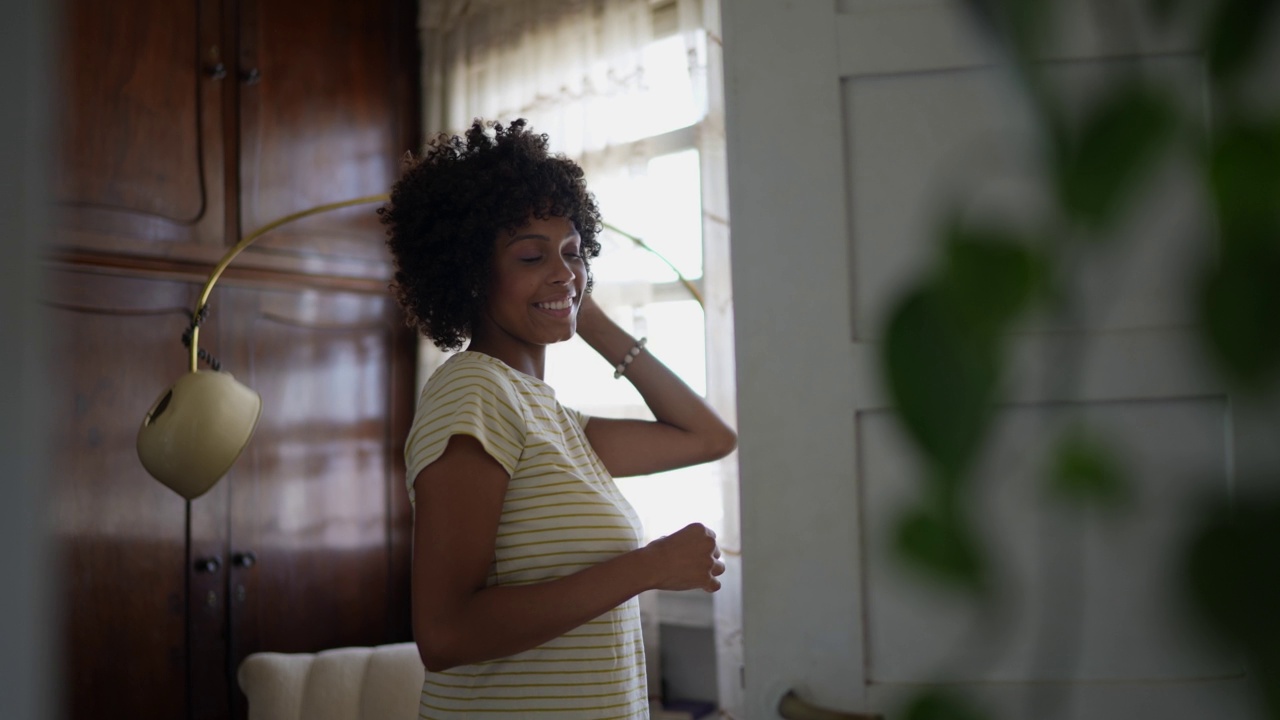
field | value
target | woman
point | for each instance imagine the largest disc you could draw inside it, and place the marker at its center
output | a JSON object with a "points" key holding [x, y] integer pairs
{"points": [[527, 561]]}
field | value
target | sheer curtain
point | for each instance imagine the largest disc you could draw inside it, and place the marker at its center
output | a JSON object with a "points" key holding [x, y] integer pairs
{"points": [[630, 89], [574, 68]]}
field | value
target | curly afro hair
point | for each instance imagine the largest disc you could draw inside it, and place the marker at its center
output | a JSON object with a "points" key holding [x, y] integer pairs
{"points": [[447, 210]]}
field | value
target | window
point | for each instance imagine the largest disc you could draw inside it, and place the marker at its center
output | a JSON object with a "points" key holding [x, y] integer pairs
{"points": [[620, 86], [655, 194]]}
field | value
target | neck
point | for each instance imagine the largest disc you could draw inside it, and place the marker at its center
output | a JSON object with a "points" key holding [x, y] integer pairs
{"points": [[528, 359]]}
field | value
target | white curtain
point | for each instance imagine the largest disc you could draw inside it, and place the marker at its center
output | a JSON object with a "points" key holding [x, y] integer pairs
{"points": [[574, 68]]}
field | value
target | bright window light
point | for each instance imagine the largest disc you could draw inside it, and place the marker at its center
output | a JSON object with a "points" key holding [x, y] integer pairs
{"points": [[668, 101], [661, 203]]}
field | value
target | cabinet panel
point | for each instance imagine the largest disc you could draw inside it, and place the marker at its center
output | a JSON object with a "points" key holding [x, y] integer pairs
{"points": [[149, 184], [325, 121], [312, 498], [121, 535], [139, 137], [211, 680]]}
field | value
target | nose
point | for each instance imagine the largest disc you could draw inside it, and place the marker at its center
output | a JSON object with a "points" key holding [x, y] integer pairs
{"points": [[562, 273]]}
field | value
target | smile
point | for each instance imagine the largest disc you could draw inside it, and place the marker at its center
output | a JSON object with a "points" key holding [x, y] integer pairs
{"points": [[564, 304]]}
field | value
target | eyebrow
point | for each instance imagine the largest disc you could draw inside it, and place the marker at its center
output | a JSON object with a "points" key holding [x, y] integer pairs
{"points": [[528, 236], [538, 236]]}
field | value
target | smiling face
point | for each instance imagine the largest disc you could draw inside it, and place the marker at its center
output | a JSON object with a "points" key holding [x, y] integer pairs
{"points": [[536, 285]]}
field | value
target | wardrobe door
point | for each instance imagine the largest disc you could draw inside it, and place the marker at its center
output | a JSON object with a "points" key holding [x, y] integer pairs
{"points": [[319, 519], [139, 140], [327, 110], [121, 536]]}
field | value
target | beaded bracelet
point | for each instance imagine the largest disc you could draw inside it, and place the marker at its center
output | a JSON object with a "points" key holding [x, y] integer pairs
{"points": [[621, 368]]}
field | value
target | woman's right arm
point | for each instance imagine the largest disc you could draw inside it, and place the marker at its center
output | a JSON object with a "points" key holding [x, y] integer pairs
{"points": [[458, 621]]}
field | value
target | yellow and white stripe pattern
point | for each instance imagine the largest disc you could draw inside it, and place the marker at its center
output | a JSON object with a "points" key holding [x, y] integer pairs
{"points": [[562, 513]]}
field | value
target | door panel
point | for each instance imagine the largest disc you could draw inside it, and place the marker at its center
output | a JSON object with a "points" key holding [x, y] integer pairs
{"points": [[327, 121], [1120, 626], [924, 143], [316, 497], [121, 536], [893, 117], [139, 141]]}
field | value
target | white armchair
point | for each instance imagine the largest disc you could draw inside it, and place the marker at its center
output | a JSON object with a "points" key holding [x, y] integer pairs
{"points": [[352, 683]]}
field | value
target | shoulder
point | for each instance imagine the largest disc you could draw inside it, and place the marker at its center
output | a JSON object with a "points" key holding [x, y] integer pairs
{"points": [[471, 372], [470, 394]]}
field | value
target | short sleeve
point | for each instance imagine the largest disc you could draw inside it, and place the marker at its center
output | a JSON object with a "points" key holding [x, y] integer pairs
{"points": [[466, 398], [579, 417]]}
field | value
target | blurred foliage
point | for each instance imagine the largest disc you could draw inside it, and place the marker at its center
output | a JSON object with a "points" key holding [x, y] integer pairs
{"points": [[935, 537], [943, 378], [1100, 168], [1234, 578], [1235, 34], [939, 704], [1240, 297], [947, 338], [1087, 471]]}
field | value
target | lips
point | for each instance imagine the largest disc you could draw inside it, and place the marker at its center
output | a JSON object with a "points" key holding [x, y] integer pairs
{"points": [[561, 304]]}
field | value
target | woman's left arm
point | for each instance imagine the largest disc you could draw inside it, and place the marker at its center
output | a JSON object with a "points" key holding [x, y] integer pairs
{"points": [[686, 432]]}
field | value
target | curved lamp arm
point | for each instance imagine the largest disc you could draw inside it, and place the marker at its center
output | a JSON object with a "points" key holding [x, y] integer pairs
{"points": [[198, 427], [249, 240], [253, 236], [693, 289]]}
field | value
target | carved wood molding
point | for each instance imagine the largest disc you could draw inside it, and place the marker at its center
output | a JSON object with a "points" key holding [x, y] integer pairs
{"points": [[194, 270]]}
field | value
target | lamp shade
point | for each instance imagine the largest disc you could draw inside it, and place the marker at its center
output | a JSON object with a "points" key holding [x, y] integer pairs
{"points": [[196, 429]]}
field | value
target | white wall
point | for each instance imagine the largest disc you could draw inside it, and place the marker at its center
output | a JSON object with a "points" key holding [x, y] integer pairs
{"points": [[26, 633]]}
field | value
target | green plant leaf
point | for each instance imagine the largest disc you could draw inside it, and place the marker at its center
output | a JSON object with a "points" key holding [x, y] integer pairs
{"points": [[1087, 471], [991, 275], [935, 539], [1233, 575], [941, 704], [1103, 165], [1244, 178], [941, 378], [1240, 296], [1240, 309], [1235, 34]]}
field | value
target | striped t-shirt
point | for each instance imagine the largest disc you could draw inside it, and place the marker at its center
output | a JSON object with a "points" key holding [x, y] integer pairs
{"points": [[562, 513]]}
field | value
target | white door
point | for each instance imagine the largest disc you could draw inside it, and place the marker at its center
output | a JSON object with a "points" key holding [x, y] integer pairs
{"points": [[848, 123]]}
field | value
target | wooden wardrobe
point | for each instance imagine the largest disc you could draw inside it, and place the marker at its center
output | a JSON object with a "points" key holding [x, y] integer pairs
{"points": [[183, 125]]}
